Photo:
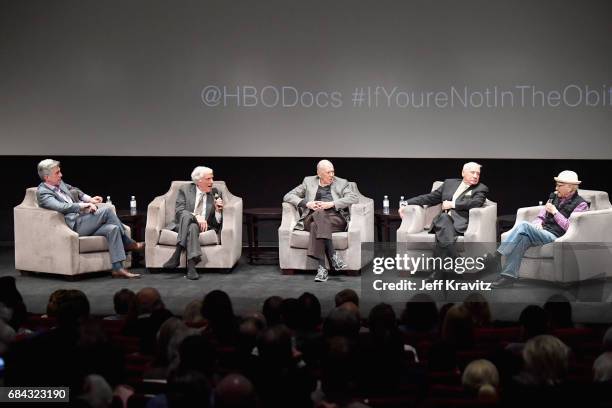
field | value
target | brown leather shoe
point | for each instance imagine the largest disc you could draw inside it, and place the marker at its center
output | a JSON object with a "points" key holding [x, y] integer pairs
{"points": [[124, 274], [135, 247]]}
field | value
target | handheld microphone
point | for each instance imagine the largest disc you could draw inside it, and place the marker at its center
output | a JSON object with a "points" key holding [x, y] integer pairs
{"points": [[551, 197]]}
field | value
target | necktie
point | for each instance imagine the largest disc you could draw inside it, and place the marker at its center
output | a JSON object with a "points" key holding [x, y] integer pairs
{"points": [[198, 209]]}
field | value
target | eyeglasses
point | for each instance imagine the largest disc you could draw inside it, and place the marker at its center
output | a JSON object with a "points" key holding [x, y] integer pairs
{"points": [[561, 184]]}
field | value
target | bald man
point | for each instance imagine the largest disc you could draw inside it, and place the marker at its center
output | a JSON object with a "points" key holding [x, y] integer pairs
{"points": [[324, 202]]}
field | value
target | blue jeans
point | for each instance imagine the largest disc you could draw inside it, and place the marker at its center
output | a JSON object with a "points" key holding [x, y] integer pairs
{"points": [[524, 236]]}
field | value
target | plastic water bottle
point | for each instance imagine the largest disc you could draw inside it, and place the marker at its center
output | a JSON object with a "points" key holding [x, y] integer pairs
{"points": [[108, 200], [386, 205], [133, 209], [402, 202], [541, 203]]}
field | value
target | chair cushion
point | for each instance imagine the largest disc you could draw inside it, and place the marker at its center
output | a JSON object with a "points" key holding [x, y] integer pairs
{"points": [[425, 240], [299, 239], [544, 251], [168, 237], [92, 244]]}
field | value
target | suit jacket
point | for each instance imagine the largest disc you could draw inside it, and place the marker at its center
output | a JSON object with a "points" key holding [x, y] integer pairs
{"points": [[473, 197], [49, 199], [341, 191], [185, 205]]}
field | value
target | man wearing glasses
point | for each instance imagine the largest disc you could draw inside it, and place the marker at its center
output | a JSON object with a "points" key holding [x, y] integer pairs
{"points": [[551, 223]]}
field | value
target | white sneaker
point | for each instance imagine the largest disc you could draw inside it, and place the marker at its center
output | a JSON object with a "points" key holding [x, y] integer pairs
{"points": [[321, 274], [337, 262]]}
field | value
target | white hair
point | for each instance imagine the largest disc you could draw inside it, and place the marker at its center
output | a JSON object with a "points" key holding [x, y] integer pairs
{"points": [[324, 164], [602, 368], [45, 167], [470, 165], [199, 172]]}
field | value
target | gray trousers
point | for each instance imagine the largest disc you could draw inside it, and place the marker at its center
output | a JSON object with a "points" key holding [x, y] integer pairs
{"points": [[189, 235], [104, 222], [321, 224]]}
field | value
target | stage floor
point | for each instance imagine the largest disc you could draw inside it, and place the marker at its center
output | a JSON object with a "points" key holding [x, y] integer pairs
{"points": [[249, 285]]}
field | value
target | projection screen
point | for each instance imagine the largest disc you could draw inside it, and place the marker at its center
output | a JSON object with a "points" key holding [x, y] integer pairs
{"points": [[471, 78]]}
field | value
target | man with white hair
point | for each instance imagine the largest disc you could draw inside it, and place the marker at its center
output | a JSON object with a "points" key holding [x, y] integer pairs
{"points": [[199, 209], [83, 214], [324, 201], [551, 223], [457, 197]]}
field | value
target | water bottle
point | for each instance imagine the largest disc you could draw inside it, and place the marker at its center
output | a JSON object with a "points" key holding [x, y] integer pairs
{"points": [[108, 200], [541, 203], [133, 209], [386, 205], [402, 202]]}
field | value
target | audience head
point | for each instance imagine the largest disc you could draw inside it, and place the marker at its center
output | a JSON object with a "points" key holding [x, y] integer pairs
{"points": [[559, 312], [274, 346], [188, 388], [602, 368], [54, 300], [290, 313], [196, 353], [346, 295], [420, 313], [235, 391], [310, 311], [534, 321], [607, 340], [192, 315], [169, 329], [123, 300], [458, 327], [218, 310], [249, 330], [148, 300], [481, 377], [342, 321], [546, 359], [272, 310], [97, 393], [382, 320], [73, 309], [479, 309]]}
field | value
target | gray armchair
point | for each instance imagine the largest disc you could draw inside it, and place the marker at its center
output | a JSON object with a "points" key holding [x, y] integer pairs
{"points": [[292, 245], [413, 235], [44, 243], [583, 252], [161, 242]]}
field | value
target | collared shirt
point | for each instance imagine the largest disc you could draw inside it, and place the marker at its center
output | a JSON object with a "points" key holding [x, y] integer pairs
{"points": [[558, 217], [204, 196]]}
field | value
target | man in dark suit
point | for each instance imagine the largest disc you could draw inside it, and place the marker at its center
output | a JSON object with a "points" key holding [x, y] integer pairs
{"points": [[84, 215], [457, 197], [324, 201], [199, 209]]}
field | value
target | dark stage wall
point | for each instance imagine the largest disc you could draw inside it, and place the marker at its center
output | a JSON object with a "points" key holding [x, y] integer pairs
{"points": [[513, 183]]}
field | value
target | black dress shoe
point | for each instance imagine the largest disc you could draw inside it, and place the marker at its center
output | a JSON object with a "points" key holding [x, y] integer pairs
{"points": [[503, 282], [192, 273], [174, 260]]}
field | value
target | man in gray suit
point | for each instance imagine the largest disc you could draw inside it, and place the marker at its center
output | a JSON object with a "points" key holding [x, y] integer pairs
{"points": [[324, 202], [457, 197], [199, 209], [83, 215]]}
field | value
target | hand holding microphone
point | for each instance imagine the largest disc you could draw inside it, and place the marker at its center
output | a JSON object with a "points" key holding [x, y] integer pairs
{"points": [[550, 208], [218, 202]]}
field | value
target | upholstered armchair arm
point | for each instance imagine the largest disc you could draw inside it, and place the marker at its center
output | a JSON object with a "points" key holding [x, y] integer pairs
{"points": [[413, 220], [289, 219], [523, 214], [589, 226], [361, 226], [482, 225], [232, 222], [42, 236], [155, 220]]}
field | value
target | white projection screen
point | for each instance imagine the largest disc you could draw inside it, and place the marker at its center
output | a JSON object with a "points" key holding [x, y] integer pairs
{"points": [[422, 79]]}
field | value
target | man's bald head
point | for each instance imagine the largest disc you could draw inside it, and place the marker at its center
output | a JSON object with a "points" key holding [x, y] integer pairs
{"points": [[148, 300], [235, 391], [326, 172]]}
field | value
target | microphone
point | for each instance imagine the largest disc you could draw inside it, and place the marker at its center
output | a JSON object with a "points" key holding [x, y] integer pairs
{"points": [[551, 197]]}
